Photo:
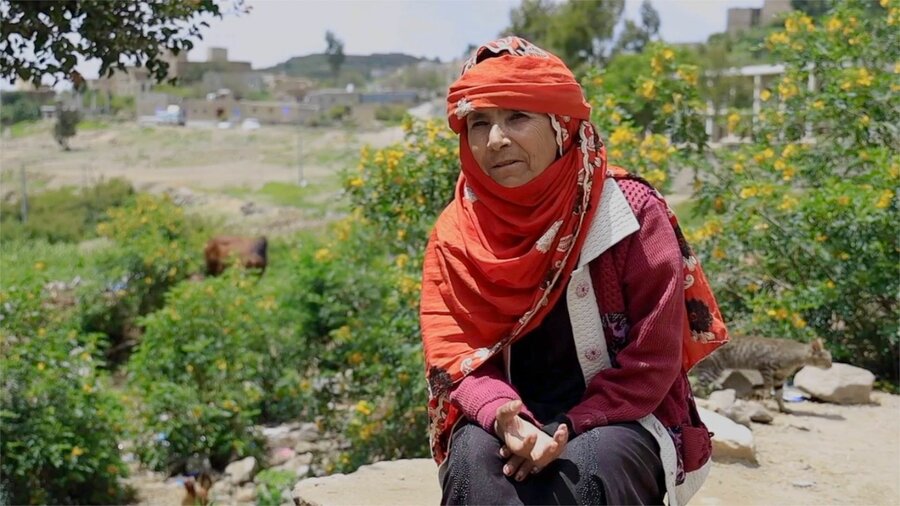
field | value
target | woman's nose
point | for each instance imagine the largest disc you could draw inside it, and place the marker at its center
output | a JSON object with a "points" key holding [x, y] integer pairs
{"points": [[497, 138]]}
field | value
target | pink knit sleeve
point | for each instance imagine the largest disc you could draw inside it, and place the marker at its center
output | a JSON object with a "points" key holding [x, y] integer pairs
{"points": [[479, 395], [653, 288]]}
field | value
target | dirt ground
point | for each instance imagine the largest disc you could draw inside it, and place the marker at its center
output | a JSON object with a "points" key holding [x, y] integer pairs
{"points": [[820, 454]]}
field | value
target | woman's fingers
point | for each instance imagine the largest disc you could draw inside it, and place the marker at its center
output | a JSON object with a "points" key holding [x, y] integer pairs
{"points": [[527, 468], [512, 466]]}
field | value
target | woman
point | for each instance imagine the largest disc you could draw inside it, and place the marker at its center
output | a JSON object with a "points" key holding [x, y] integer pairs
{"points": [[560, 306]]}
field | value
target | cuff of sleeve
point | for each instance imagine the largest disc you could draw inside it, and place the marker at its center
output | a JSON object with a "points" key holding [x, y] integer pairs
{"points": [[487, 414], [583, 421]]}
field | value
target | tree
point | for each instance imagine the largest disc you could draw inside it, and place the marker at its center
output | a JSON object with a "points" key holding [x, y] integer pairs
{"points": [[64, 129], [335, 53], [578, 32], [635, 37], [40, 39]]}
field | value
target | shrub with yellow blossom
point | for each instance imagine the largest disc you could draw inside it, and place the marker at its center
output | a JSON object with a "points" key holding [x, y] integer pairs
{"points": [[805, 241], [59, 425], [656, 127]]}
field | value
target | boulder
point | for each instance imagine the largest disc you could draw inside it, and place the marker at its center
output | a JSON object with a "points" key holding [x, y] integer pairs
{"points": [[722, 400], [241, 471], [730, 441], [742, 381], [298, 465], [281, 455], [221, 491], [399, 482], [840, 384], [246, 494]]}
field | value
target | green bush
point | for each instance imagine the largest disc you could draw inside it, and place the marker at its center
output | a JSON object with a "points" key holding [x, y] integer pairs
{"points": [[155, 247], [59, 425], [801, 236], [391, 114], [17, 107], [63, 215], [221, 355]]}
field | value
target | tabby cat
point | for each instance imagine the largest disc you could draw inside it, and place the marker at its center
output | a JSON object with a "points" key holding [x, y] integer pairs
{"points": [[775, 359]]}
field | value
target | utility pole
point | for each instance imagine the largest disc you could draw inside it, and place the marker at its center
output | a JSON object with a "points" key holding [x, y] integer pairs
{"points": [[301, 179], [24, 200]]}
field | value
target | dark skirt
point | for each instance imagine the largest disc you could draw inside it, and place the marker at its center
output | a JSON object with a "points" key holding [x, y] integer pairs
{"points": [[614, 464]]}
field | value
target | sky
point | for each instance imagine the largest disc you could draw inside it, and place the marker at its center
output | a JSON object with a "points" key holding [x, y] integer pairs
{"points": [[276, 30]]}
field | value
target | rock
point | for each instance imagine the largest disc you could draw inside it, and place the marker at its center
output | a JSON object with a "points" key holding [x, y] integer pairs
{"points": [[241, 471], [757, 412], [308, 432], [281, 455], [803, 484], [841, 384], [246, 494], [730, 440], [305, 447], [721, 400], [742, 381], [298, 465], [221, 491], [400, 482]]}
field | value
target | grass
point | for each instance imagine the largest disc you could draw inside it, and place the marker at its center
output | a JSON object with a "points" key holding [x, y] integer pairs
{"points": [[26, 128], [314, 197]]}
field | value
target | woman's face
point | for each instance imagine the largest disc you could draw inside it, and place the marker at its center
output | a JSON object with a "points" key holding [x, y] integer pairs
{"points": [[512, 147]]}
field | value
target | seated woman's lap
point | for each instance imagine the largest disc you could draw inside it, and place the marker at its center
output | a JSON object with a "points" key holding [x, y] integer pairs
{"points": [[615, 464]]}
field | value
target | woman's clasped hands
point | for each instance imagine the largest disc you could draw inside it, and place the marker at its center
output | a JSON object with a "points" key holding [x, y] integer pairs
{"points": [[526, 448]]}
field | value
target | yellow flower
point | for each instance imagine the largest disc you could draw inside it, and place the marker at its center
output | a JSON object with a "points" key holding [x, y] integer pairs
{"points": [[648, 89], [688, 75], [655, 177], [41, 366], [668, 108], [597, 81], [356, 182], [738, 168], [87, 388], [765, 95], [733, 120], [821, 237], [621, 135], [356, 358], [798, 321], [788, 174], [189, 368], [668, 54], [884, 199], [749, 192], [221, 364], [844, 255], [843, 200], [833, 24], [789, 150], [863, 77], [39, 266], [112, 469], [818, 105], [401, 260], [787, 203], [864, 120], [609, 102], [364, 408], [323, 255], [342, 333], [77, 451], [615, 117], [718, 253], [778, 38], [401, 234], [787, 89], [764, 155], [829, 284]]}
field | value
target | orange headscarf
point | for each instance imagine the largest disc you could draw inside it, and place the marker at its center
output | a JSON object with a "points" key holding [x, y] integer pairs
{"points": [[499, 258]]}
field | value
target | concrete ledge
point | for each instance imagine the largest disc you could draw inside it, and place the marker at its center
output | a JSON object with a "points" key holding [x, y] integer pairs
{"points": [[400, 482]]}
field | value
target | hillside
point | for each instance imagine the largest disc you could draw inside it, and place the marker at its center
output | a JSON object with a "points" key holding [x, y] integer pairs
{"points": [[315, 66]]}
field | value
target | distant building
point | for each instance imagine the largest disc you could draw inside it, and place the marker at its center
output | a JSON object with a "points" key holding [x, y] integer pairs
{"points": [[136, 80], [331, 97], [741, 19]]}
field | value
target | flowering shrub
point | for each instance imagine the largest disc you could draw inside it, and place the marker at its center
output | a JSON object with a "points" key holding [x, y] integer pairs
{"points": [[659, 126], [155, 246], [59, 426], [221, 355], [802, 235]]}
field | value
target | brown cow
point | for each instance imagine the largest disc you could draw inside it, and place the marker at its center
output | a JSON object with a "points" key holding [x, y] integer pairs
{"points": [[250, 253]]}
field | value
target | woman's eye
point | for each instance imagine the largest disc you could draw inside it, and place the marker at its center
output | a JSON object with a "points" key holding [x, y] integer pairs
{"points": [[519, 115], [478, 123]]}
